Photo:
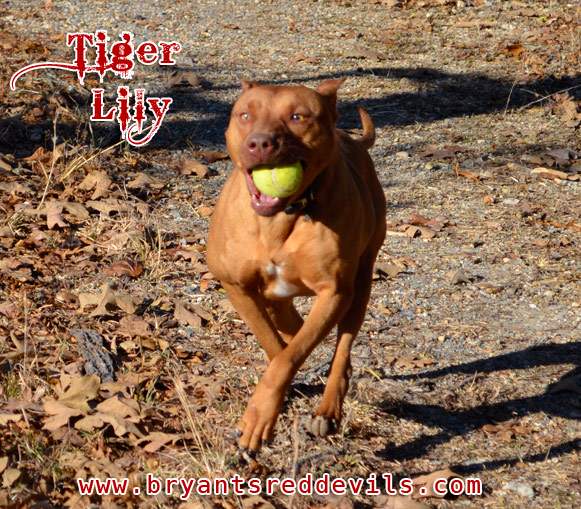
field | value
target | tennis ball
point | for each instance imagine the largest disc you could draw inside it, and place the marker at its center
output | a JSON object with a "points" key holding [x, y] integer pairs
{"points": [[278, 181]]}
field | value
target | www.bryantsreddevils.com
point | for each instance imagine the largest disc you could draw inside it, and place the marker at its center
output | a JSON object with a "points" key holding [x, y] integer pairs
{"points": [[308, 485]]}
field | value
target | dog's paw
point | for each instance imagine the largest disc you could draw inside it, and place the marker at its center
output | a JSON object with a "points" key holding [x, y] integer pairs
{"points": [[322, 426], [257, 424]]}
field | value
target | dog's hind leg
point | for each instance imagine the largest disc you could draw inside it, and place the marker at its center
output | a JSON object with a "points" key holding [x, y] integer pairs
{"points": [[328, 415], [285, 318], [252, 307]]}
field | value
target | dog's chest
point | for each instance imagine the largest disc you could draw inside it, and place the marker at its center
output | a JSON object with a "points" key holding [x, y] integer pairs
{"points": [[280, 282], [277, 281]]}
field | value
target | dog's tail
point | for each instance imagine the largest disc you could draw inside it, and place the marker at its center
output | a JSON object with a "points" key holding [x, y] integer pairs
{"points": [[368, 138]]}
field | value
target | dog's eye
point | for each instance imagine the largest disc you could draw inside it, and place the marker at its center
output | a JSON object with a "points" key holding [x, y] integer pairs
{"points": [[297, 117], [245, 116]]}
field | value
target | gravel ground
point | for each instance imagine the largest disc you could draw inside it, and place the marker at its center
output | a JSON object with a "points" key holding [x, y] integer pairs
{"points": [[455, 364]]}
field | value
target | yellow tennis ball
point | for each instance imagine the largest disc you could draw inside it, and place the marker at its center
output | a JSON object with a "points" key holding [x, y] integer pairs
{"points": [[278, 181]]}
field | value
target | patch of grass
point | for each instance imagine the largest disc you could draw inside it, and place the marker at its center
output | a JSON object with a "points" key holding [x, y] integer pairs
{"points": [[11, 386]]}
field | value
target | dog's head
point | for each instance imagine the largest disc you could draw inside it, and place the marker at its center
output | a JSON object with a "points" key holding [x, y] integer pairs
{"points": [[274, 125]]}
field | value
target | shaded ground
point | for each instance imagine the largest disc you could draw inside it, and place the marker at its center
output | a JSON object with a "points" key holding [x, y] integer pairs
{"points": [[473, 321]]}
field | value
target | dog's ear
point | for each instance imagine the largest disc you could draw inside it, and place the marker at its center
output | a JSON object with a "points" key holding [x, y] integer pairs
{"points": [[247, 85], [328, 89]]}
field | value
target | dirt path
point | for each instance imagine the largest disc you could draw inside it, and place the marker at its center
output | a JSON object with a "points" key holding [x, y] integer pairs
{"points": [[474, 316]]}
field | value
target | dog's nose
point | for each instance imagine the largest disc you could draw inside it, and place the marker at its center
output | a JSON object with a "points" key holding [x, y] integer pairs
{"points": [[261, 145]]}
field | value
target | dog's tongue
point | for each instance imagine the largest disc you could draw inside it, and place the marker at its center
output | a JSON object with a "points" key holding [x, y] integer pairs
{"points": [[262, 203], [265, 205], [264, 199]]}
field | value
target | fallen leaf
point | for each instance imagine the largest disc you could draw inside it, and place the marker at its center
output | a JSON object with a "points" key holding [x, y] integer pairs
{"points": [[205, 211], [46, 156], [10, 476], [59, 415], [391, 270], [9, 309], [193, 167], [412, 362], [424, 484], [4, 165], [121, 413], [474, 177], [144, 181], [119, 240], [106, 207], [302, 57], [399, 502], [394, 267], [256, 502], [6, 418], [107, 301], [15, 188], [506, 431], [99, 181], [202, 312], [419, 231], [186, 79], [157, 440], [567, 108], [134, 326], [124, 268], [364, 53], [211, 156], [447, 152], [561, 155], [514, 50], [337, 502], [549, 173], [90, 423], [456, 277], [187, 253], [120, 407], [72, 403], [120, 426], [419, 220], [53, 211], [185, 316], [80, 391]]}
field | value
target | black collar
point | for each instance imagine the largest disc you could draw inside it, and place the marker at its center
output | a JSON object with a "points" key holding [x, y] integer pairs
{"points": [[303, 203]]}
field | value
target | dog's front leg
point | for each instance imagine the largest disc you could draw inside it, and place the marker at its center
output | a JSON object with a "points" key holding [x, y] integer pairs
{"points": [[257, 423]]}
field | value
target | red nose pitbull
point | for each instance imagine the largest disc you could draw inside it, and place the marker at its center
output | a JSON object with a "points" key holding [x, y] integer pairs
{"points": [[322, 241]]}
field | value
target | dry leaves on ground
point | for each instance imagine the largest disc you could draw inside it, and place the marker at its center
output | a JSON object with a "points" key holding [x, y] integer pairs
{"points": [[97, 181], [506, 431], [107, 302], [193, 167], [72, 403]]}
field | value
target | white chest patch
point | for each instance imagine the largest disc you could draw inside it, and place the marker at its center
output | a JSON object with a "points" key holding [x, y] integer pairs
{"points": [[282, 288]]}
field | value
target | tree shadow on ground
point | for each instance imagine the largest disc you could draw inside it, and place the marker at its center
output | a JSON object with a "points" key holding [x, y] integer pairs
{"points": [[440, 95], [459, 423]]}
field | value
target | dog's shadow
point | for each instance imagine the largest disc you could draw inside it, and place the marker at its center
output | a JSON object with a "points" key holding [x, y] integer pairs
{"points": [[560, 398]]}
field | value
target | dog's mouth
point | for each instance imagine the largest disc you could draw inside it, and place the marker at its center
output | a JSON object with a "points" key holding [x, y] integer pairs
{"points": [[263, 204]]}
